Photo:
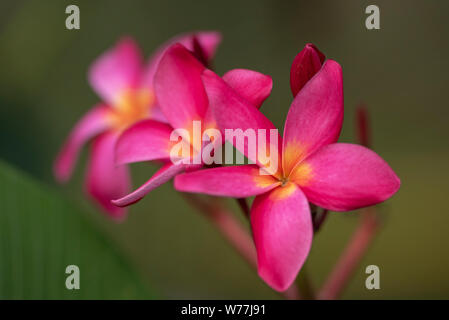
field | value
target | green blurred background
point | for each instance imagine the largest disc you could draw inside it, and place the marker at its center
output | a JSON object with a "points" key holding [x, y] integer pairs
{"points": [[401, 72]]}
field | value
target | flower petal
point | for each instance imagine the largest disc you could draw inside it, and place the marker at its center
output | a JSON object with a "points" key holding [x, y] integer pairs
{"points": [[94, 122], [236, 181], [282, 231], [164, 174], [117, 70], [179, 89], [305, 65], [347, 177], [208, 41], [233, 112], [144, 141], [315, 116], [255, 87], [106, 181], [204, 46]]}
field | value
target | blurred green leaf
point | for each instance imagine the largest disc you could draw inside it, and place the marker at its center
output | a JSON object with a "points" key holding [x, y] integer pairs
{"points": [[41, 234]]}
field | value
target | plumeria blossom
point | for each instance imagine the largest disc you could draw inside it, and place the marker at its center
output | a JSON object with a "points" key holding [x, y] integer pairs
{"points": [[314, 168], [183, 100], [126, 88]]}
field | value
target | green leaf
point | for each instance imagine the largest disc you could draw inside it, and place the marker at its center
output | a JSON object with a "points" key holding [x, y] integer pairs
{"points": [[41, 233]]}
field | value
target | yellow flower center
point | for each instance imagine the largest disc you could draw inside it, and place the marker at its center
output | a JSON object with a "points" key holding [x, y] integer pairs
{"points": [[132, 106], [301, 174]]}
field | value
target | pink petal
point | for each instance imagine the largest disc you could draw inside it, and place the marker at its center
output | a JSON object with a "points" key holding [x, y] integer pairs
{"points": [[93, 123], [106, 181], [118, 69], [282, 231], [204, 46], [255, 87], [231, 111], [208, 41], [164, 174], [305, 65], [236, 181], [179, 89], [315, 116], [144, 141], [347, 176], [156, 113]]}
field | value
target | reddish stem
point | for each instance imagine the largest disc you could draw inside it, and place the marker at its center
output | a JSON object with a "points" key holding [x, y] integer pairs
{"points": [[243, 204], [229, 227], [233, 231], [318, 221], [362, 125], [292, 293], [351, 256], [364, 234]]}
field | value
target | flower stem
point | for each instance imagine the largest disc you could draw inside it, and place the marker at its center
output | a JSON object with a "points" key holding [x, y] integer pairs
{"points": [[292, 293], [363, 130], [351, 256], [228, 226], [319, 219], [305, 284], [233, 231], [365, 232], [243, 204]]}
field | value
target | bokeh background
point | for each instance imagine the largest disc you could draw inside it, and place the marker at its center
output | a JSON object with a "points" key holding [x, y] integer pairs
{"points": [[401, 73]]}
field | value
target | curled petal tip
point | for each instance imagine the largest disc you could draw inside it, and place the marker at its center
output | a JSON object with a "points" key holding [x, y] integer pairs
{"points": [[163, 175], [122, 202]]}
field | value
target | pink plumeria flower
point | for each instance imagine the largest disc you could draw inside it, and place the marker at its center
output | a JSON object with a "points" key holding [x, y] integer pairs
{"points": [[314, 168], [126, 87], [182, 98]]}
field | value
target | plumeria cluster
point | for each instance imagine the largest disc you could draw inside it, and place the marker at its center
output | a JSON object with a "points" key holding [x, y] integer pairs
{"points": [[143, 105]]}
